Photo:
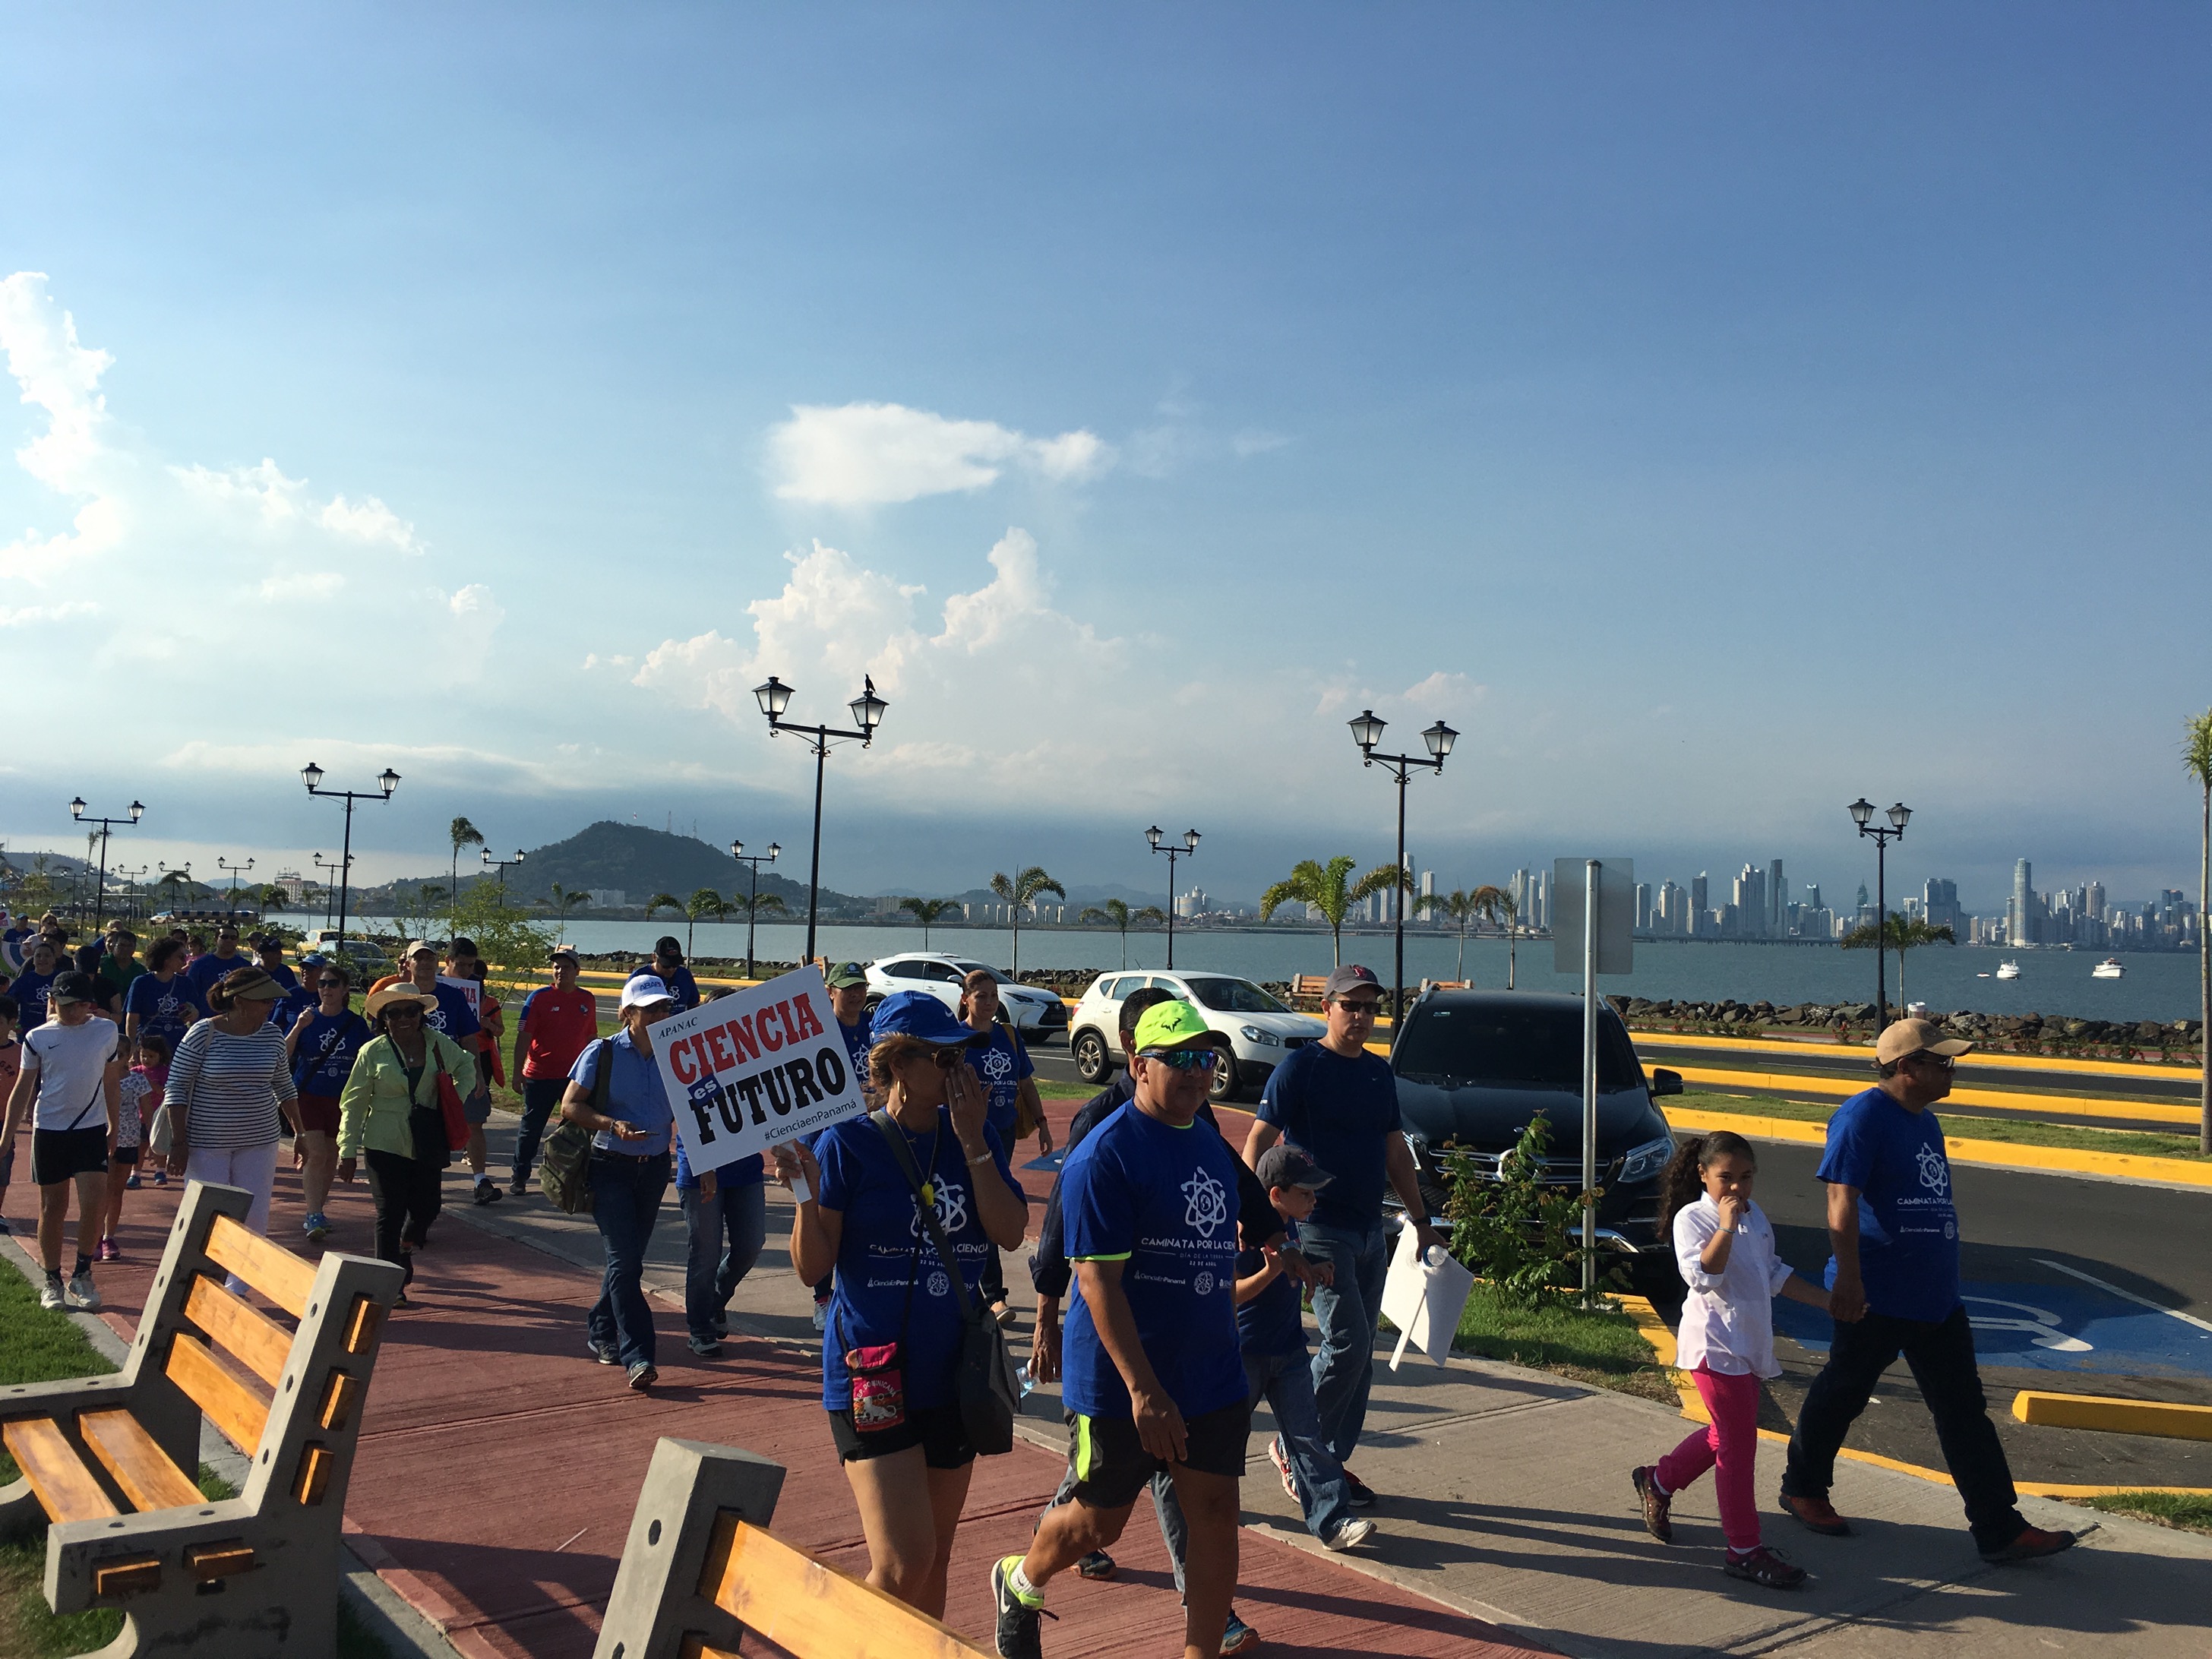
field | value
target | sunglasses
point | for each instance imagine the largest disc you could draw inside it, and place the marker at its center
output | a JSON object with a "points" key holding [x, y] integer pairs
{"points": [[404, 1010], [330, 984], [1184, 1059], [949, 1059], [1943, 1061], [1365, 1008]]}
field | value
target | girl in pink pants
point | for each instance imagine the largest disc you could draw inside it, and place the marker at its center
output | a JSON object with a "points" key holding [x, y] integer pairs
{"points": [[1725, 1249]]}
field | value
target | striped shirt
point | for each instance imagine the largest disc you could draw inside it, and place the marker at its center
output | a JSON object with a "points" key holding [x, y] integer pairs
{"points": [[225, 1088]]}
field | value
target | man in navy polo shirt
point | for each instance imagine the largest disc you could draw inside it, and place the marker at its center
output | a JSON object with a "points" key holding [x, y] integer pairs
{"points": [[1338, 1104], [1894, 1284]]}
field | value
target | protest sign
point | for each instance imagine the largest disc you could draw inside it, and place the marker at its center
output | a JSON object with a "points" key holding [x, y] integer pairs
{"points": [[751, 1071], [471, 993], [1423, 1296]]}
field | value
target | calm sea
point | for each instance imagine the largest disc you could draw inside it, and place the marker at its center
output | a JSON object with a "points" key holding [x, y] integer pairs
{"points": [[2160, 986]]}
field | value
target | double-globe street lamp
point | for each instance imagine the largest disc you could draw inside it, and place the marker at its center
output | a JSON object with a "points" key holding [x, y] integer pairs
{"points": [[867, 714], [99, 892], [387, 781], [129, 877], [329, 867], [1188, 849], [500, 864], [752, 895], [234, 871], [1367, 731], [1861, 811]]}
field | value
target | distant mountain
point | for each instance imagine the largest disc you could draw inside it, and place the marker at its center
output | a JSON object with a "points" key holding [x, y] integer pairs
{"points": [[639, 862]]}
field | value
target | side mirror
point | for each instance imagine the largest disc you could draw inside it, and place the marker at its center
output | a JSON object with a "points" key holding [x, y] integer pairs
{"points": [[1664, 1082]]}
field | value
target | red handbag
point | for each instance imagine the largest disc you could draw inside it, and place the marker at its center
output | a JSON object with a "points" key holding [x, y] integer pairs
{"points": [[449, 1109]]}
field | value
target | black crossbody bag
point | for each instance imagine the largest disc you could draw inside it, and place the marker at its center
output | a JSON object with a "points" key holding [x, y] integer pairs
{"points": [[985, 1384]]}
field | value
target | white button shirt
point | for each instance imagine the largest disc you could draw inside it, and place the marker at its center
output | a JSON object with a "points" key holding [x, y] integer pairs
{"points": [[1728, 1319]]}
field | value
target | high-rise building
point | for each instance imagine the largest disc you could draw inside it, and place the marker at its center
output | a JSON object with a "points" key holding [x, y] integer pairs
{"points": [[1939, 901], [1750, 907], [1778, 899], [2020, 913], [1643, 907], [1812, 896], [1698, 893]]}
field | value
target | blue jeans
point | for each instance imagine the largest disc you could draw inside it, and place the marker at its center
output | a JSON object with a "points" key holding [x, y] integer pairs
{"points": [[626, 1194], [1175, 1530], [540, 1095], [724, 1236], [1347, 1312], [1284, 1382]]}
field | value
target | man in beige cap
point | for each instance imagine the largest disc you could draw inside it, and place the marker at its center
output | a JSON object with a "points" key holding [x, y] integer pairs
{"points": [[1893, 1287]]}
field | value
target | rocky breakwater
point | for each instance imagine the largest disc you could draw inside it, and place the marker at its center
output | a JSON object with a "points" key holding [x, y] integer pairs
{"points": [[2180, 1042]]}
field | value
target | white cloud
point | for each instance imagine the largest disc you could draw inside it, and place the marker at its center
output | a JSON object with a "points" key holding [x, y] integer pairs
{"points": [[869, 454], [22, 615], [264, 496]]}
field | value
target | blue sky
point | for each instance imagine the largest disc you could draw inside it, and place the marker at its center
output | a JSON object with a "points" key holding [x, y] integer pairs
{"points": [[1716, 413]]}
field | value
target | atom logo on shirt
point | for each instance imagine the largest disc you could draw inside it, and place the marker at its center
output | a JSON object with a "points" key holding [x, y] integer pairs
{"points": [[997, 1064], [1933, 1175], [1208, 1203], [951, 1209]]}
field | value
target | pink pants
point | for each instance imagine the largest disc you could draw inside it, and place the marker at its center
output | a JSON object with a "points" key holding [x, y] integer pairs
{"points": [[1731, 1442]]}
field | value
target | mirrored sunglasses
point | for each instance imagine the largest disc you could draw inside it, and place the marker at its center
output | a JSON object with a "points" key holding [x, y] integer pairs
{"points": [[1184, 1059]]}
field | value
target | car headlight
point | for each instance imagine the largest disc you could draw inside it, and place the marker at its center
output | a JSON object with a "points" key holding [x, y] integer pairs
{"points": [[1265, 1039], [1641, 1163]]}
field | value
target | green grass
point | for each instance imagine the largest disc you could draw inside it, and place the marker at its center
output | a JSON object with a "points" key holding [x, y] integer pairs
{"points": [[37, 1345], [2017, 1132], [1605, 1349], [2165, 1509]]}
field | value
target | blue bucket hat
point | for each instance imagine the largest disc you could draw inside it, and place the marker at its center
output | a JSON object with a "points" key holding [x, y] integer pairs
{"points": [[918, 1014]]}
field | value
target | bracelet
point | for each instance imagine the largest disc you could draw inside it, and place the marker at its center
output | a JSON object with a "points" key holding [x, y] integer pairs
{"points": [[980, 1158]]}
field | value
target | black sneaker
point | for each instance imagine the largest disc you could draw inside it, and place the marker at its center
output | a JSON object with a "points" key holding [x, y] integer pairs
{"points": [[642, 1377], [1020, 1634], [1097, 1564], [706, 1347], [602, 1353], [1358, 1493], [486, 1192], [1769, 1569]]}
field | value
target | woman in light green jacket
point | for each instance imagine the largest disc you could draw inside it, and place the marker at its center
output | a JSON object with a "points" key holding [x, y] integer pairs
{"points": [[389, 1114]]}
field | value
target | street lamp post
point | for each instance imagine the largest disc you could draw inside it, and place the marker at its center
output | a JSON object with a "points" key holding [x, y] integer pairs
{"points": [[1367, 731], [329, 867], [387, 781], [500, 864], [99, 892], [1861, 811], [752, 895], [1188, 849], [129, 876], [235, 871], [867, 714]]}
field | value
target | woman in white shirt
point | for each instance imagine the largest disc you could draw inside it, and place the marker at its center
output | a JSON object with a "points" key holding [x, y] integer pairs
{"points": [[228, 1084], [1725, 1246]]}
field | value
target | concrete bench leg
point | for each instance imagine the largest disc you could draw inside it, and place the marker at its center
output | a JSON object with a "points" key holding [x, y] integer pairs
{"points": [[265, 1611], [656, 1598]]}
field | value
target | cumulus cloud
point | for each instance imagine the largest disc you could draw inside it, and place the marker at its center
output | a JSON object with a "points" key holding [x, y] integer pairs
{"points": [[872, 454], [264, 496]]}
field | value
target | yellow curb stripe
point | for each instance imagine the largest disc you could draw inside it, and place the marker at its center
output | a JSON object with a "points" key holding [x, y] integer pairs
{"points": [[1802, 1082], [1994, 1154], [1980, 1057], [2113, 1416]]}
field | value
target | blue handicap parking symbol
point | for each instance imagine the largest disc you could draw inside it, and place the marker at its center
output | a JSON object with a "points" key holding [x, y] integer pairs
{"points": [[2053, 1327]]}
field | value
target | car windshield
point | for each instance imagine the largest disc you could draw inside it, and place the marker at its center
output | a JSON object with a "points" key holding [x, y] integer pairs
{"points": [[1522, 1047], [1234, 996]]}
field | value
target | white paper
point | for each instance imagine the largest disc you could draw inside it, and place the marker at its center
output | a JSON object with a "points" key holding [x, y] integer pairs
{"points": [[753, 1070], [471, 993], [1424, 1299]]}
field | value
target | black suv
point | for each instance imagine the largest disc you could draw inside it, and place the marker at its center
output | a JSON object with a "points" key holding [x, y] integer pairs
{"points": [[1474, 1067]]}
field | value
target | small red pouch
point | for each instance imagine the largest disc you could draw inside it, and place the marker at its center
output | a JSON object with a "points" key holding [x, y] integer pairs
{"points": [[879, 1378]]}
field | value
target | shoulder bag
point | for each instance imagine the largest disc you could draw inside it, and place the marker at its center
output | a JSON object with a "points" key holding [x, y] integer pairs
{"points": [[988, 1392], [564, 1161], [1027, 1120]]}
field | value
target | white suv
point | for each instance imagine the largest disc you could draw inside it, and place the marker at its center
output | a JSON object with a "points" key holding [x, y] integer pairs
{"points": [[1036, 1013], [1261, 1030]]}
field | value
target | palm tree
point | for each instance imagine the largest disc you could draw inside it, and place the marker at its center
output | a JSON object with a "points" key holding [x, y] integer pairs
{"points": [[462, 834], [704, 902], [1901, 933], [1495, 902], [1115, 912], [1460, 908], [562, 900], [662, 901], [270, 897], [927, 911], [1330, 890], [2196, 756], [1020, 891]]}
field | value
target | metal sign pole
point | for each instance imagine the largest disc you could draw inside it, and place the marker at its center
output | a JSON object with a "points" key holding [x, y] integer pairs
{"points": [[1590, 869]]}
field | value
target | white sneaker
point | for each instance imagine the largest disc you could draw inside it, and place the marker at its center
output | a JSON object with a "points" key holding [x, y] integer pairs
{"points": [[821, 1315], [82, 1295], [1349, 1536], [50, 1293]]}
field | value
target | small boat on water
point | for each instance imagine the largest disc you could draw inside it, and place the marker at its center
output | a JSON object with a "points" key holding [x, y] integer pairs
{"points": [[2110, 967], [2007, 970]]}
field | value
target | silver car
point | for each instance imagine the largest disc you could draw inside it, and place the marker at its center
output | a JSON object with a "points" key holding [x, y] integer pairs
{"points": [[1034, 1012], [1261, 1029]]}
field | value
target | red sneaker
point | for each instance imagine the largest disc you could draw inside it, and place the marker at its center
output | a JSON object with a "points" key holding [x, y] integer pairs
{"points": [[1817, 1515]]}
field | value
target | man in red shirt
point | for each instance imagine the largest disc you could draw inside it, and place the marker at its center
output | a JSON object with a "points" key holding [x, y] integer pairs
{"points": [[558, 1021]]}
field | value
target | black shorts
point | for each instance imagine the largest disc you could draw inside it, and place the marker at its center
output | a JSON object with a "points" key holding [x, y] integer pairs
{"points": [[58, 1154], [936, 1429], [126, 1155], [1112, 1465]]}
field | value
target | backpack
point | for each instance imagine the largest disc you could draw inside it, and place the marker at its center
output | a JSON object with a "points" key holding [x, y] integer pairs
{"points": [[564, 1162]]}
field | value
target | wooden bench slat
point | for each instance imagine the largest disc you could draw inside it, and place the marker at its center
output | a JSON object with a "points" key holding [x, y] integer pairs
{"points": [[66, 1490], [270, 1268], [317, 1465], [232, 1406], [257, 1340], [146, 1474], [811, 1611]]}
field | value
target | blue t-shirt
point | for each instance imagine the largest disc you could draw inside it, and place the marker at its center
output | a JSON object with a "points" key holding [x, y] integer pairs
{"points": [[1342, 1113], [323, 1058], [14, 948], [453, 1017], [284, 1012], [748, 1171], [891, 1282], [205, 971], [30, 989], [165, 1007], [1163, 1200], [1908, 1230], [1002, 1066], [681, 986], [1271, 1323], [856, 1047], [634, 1093]]}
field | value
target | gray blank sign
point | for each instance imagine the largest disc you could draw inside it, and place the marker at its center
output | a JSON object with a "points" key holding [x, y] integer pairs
{"points": [[1616, 915]]}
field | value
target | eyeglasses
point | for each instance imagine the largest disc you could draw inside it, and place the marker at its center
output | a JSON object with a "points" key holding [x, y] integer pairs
{"points": [[1365, 1008], [1184, 1059]]}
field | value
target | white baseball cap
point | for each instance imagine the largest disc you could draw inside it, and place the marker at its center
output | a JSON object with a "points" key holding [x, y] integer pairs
{"points": [[644, 991]]}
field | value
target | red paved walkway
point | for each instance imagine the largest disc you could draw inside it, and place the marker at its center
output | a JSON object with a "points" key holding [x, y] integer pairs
{"points": [[498, 1468]]}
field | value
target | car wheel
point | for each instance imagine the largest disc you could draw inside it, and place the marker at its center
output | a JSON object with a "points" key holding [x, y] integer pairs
{"points": [[1091, 1063], [1226, 1086]]}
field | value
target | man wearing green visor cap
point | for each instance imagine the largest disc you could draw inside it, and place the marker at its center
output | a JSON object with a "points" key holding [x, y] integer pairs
{"points": [[1153, 1369]]}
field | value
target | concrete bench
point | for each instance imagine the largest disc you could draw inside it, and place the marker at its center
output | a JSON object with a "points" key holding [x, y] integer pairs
{"points": [[112, 1461], [701, 1568]]}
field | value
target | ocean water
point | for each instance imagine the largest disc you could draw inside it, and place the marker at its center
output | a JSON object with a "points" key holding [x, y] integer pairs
{"points": [[2160, 984]]}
